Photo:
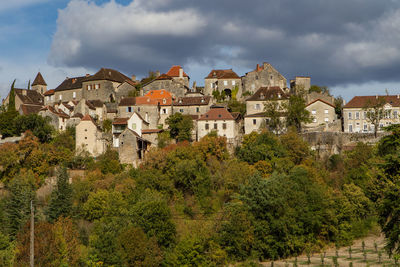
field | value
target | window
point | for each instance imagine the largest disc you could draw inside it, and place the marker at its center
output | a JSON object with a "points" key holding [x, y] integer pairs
{"points": [[326, 111], [215, 126], [350, 117], [326, 119], [85, 137], [138, 109], [85, 130], [233, 83], [181, 110], [313, 112], [74, 94], [257, 106], [224, 126], [254, 121], [350, 128], [365, 114], [206, 126], [365, 127], [164, 101], [89, 87], [60, 97], [357, 115], [395, 114], [129, 109], [314, 120], [133, 126], [197, 110], [225, 82], [164, 111], [96, 86]]}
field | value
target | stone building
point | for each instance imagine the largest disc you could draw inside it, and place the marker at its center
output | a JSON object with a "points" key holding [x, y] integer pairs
{"points": [[175, 81], [195, 105], [107, 85], [263, 76], [355, 113], [89, 137], [219, 119], [322, 113], [223, 80], [255, 118], [39, 85], [58, 118], [132, 147], [300, 82], [49, 98]]}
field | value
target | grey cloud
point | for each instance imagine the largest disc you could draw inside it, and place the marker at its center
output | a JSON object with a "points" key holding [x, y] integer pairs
{"points": [[336, 42]]}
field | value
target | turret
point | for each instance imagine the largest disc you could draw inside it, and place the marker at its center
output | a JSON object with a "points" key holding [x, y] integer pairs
{"points": [[39, 85]]}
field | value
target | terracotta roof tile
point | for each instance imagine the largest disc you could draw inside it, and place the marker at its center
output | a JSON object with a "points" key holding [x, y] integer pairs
{"points": [[120, 121], [174, 72], [163, 77], [363, 101], [222, 74], [217, 114], [39, 80], [127, 101], [268, 93], [315, 100], [49, 92]]}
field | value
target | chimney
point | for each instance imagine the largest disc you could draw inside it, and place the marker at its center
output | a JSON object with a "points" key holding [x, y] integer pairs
{"points": [[258, 67], [133, 77], [398, 96], [158, 73], [376, 96], [180, 73]]}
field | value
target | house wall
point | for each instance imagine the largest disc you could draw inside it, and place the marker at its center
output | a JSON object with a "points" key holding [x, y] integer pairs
{"points": [[89, 138], [267, 77], [253, 124], [175, 87], [253, 107], [123, 90], [230, 132], [41, 89], [220, 85], [104, 93], [67, 95], [153, 117], [321, 113], [128, 148], [54, 121], [49, 99], [192, 110], [359, 123]]}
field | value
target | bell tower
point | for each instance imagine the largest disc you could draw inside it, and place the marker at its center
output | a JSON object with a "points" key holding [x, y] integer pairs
{"points": [[39, 85]]}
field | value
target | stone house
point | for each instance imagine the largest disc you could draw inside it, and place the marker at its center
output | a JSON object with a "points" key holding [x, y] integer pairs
{"points": [[132, 147], [255, 118], [263, 76], [355, 113], [219, 119], [195, 105], [300, 82], [49, 98], [322, 113], [175, 81], [89, 137], [59, 119], [85, 107], [29, 109], [105, 85], [135, 123], [151, 135], [223, 80]]}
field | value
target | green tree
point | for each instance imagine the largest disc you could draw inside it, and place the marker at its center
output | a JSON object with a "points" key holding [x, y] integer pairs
{"points": [[137, 249], [61, 197], [216, 95], [11, 99], [296, 112], [22, 192], [339, 106], [35, 123], [104, 203], [273, 114], [319, 89], [180, 127], [236, 106]]}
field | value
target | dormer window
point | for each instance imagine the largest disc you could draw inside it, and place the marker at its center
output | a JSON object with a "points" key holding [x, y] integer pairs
{"points": [[262, 96], [180, 101], [219, 116], [202, 100], [162, 92], [279, 95], [164, 100]]}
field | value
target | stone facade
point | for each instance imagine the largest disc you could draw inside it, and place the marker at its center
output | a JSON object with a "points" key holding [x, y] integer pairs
{"points": [[89, 137], [355, 113], [132, 147], [263, 76], [321, 113], [223, 80], [257, 102], [300, 82]]}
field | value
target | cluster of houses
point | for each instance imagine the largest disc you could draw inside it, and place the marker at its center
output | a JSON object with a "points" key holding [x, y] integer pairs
{"points": [[86, 102]]}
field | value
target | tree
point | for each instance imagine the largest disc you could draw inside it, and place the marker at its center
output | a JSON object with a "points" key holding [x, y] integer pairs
{"points": [[11, 99], [35, 123], [107, 125], [180, 127], [216, 95], [22, 192], [273, 115], [375, 112], [61, 197], [296, 112], [319, 89], [137, 249], [339, 106]]}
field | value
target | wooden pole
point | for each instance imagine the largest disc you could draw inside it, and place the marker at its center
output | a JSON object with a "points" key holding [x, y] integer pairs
{"points": [[32, 250]]}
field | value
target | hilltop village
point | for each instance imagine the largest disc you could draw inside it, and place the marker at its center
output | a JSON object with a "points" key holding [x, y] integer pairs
{"points": [[110, 109]]}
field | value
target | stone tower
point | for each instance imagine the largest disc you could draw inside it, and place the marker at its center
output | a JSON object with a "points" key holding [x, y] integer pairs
{"points": [[39, 85]]}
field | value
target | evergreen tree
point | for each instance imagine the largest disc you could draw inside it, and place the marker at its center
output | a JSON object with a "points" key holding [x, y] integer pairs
{"points": [[11, 99], [22, 192], [61, 197]]}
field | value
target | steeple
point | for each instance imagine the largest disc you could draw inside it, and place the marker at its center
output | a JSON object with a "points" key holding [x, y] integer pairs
{"points": [[39, 84]]}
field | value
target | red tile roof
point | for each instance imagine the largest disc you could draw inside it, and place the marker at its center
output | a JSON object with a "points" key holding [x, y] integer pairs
{"points": [[217, 114], [49, 92], [315, 100], [364, 101], [174, 72], [222, 74], [164, 77], [127, 101], [120, 121], [158, 94], [39, 80]]}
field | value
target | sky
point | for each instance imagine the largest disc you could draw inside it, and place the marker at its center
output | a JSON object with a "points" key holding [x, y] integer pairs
{"points": [[351, 46]]}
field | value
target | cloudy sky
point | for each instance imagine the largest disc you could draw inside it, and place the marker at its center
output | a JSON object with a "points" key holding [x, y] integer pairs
{"points": [[352, 46]]}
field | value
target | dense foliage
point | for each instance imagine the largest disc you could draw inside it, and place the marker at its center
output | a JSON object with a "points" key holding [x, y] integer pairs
{"points": [[194, 204]]}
